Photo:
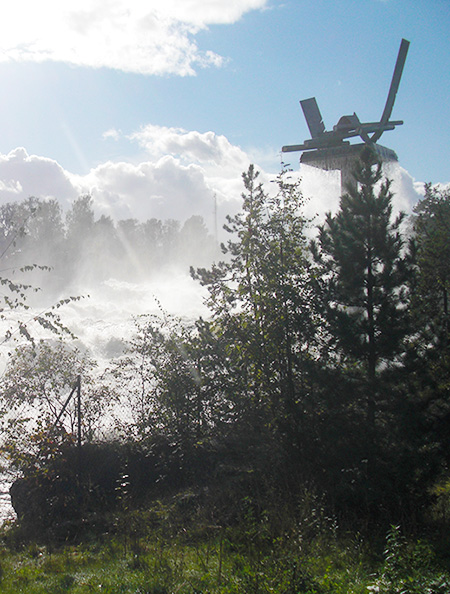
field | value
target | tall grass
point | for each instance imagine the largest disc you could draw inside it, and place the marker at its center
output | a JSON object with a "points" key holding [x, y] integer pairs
{"points": [[144, 559]]}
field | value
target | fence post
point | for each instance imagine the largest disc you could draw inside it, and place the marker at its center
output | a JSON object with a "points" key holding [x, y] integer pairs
{"points": [[79, 409]]}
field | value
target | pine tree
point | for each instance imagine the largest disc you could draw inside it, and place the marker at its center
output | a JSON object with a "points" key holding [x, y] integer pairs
{"points": [[362, 275]]}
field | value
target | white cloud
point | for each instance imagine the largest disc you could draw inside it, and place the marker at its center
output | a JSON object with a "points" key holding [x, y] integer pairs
{"points": [[111, 134], [22, 175], [184, 174], [143, 36], [160, 186], [191, 146], [162, 189]]}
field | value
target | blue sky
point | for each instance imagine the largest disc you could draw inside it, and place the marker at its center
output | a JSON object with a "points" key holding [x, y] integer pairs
{"points": [[156, 106]]}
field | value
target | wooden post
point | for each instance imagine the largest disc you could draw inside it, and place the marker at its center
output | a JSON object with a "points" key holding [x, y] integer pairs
{"points": [[79, 410], [79, 451]]}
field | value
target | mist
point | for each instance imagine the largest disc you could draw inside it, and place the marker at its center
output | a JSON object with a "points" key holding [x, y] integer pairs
{"points": [[123, 267], [101, 272]]}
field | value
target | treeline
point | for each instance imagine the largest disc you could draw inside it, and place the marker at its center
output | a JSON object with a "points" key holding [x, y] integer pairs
{"points": [[321, 375], [80, 248]]}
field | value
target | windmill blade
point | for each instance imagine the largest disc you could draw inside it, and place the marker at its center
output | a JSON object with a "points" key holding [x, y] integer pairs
{"points": [[313, 116], [401, 59], [398, 70]]}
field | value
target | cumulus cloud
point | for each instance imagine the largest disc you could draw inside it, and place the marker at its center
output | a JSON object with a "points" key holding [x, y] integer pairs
{"points": [[191, 146], [161, 186], [162, 189], [184, 173], [217, 162], [22, 175], [111, 134], [143, 36]]}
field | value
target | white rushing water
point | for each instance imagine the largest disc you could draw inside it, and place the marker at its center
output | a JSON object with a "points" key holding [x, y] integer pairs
{"points": [[105, 318]]}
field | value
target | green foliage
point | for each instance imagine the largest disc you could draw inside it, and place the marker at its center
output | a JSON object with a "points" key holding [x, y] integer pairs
{"points": [[222, 560], [363, 272], [305, 401], [161, 382], [432, 255], [35, 386], [409, 568], [261, 300], [429, 354], [363, 290], [440, 509]]}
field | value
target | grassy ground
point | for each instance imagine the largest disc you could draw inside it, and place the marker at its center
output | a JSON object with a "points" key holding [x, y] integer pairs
{"points": [[160, 568], [139, 560]]}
